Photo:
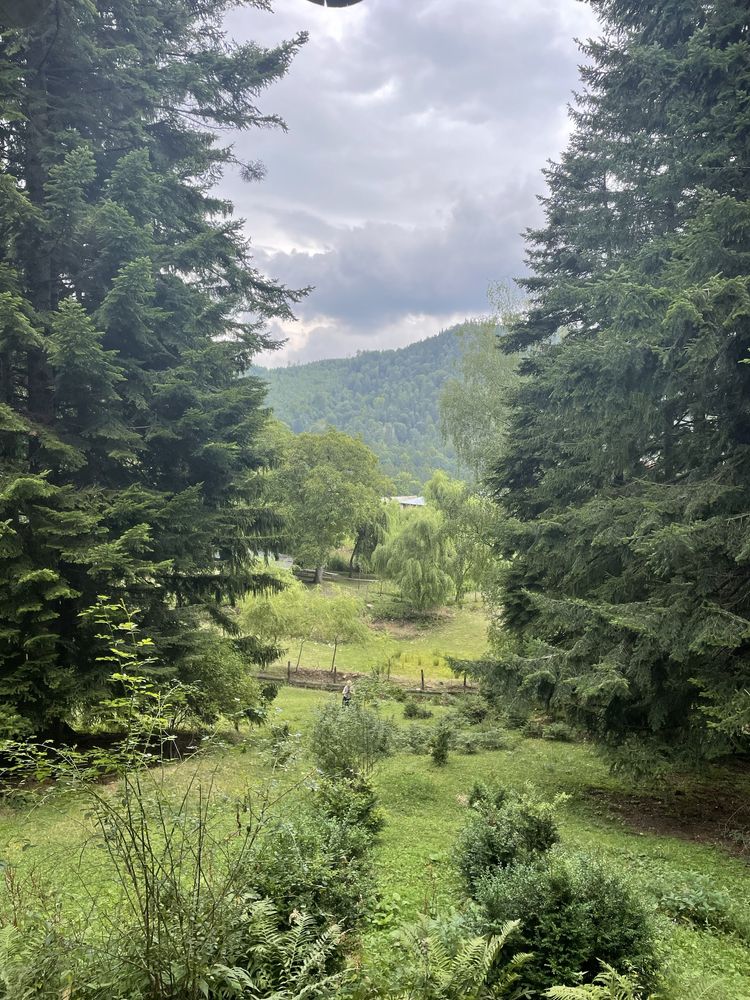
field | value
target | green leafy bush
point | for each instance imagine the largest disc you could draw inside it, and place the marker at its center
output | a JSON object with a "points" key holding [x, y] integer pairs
{"points": [[236, 948], [700, 903], [337, 563], [640, 760], [504, 827], [351, 801], [472, 709], [491, 739], [533, 729], [440, 744], [575, 913], [413, 710], [315, 865], [221, 684], [475, 741], [378, 688], [466, 743], [517, 715], [194, 914], [349, 740], [414, 739]]}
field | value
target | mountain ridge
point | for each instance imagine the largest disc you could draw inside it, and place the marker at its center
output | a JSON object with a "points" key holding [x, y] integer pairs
{"points": [[389, 398]]}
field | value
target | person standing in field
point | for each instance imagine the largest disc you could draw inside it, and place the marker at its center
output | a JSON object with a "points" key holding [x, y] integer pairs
{"points": [[346, 695]]}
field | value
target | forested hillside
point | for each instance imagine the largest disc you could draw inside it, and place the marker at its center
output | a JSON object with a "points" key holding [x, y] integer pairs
{"points": [[389, 398]]}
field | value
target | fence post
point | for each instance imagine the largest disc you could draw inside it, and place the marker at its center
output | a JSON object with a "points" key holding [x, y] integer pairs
{"points": [[288, 671], [422, 673], [464, 678]]}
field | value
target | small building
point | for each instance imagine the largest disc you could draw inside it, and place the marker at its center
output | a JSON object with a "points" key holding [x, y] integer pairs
{"points": [[409, 501]]}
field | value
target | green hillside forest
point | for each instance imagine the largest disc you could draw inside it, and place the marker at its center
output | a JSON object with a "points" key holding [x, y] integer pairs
{"points": [[389, 398]]}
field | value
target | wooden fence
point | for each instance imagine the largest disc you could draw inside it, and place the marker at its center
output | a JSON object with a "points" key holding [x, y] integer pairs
{"points": [[331, 681]]}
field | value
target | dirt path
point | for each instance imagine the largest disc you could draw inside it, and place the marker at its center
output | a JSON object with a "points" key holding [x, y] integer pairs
{"points": [[710, 816]]}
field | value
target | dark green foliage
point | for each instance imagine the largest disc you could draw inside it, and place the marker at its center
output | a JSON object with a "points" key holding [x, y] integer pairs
{"points": [[473, 709], [626, 479], [373, 396], [221, 683], [504, 827], [349, 740], [316, 865], [440, 743], [575, 913], [516, 715], [351, 801], [413, 710], [130, 310]]}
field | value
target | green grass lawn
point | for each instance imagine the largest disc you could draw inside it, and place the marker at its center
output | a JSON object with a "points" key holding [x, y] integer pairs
{"points": [[424, 810], [407, 647]]}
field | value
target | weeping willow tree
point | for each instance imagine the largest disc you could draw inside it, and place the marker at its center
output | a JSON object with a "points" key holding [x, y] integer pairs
{"points": [[416, 556], [129, 310], [626, 480]]}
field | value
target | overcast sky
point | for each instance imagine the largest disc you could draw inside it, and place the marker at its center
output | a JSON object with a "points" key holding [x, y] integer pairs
{"points": [[417, 134]]}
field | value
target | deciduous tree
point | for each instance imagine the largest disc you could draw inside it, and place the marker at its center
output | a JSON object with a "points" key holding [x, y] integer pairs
{"points": [[326, 486], [469, 523], [415, 556]]}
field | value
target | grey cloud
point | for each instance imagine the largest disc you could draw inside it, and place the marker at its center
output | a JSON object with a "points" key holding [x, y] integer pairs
{"points": [[380, 271], [418, 129]]}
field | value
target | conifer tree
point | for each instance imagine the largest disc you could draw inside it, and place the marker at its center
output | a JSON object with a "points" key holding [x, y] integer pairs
{"points": [[129, 310], [627, 477]]}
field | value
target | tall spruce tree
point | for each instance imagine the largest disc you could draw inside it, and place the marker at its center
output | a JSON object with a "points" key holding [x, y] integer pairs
{"points": [[627, 477], [129, 310]]}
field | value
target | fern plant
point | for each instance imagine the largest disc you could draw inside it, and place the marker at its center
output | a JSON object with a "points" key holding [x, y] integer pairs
{"points": [[281, 964], [608, 985], [476, 971]]}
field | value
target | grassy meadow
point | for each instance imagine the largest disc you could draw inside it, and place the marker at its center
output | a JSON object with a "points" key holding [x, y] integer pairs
{"points": [[50, 838], [404, 646]]}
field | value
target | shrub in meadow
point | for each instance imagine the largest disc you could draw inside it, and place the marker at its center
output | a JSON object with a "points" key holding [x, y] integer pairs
{"points": [[504, 826], [350, 740], [413, 710], [440, 745], [575, 913]]}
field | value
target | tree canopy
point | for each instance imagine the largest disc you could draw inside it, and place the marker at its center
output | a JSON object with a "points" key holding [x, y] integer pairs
{"points": [[469, 524], [415, 555], [627, 475], [474, 405], [326, 487], [129, 310]]}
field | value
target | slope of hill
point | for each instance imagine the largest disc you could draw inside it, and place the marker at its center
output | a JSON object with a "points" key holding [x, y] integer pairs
{"points": [[388, 398]]}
